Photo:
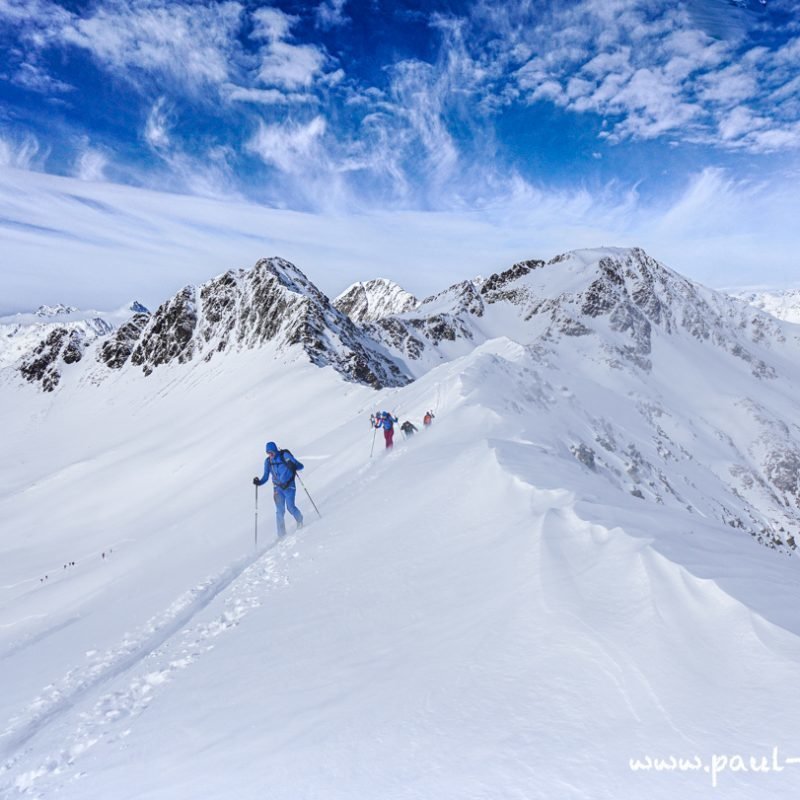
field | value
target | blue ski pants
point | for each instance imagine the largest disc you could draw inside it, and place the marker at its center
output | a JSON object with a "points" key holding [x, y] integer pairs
{"points": [[284, 499]]}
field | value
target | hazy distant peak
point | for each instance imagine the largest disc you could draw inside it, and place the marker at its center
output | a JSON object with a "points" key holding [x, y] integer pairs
{"points": [[367, 301]]}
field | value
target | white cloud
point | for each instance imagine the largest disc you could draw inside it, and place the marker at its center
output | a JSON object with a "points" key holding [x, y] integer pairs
{"points": [[272, 24], [90, 164], [191, 45], [21, 153], [727, 86], [290, 66], [650, 71], [285, 64], [419, 94], [738, 123], [787, 137], [330, 13], [157, 127], [292, 148], [204, 171], [267, 97], [31, 76]]}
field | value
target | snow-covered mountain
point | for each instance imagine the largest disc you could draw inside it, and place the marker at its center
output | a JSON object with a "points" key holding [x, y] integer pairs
{"points": [[783, 304], [43, 342], [620, 294], [372, 300], [274, 302], [244, 309], [562, 574]]}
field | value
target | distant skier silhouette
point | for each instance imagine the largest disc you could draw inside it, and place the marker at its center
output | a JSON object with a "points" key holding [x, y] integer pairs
{"points": [[428, 418]]}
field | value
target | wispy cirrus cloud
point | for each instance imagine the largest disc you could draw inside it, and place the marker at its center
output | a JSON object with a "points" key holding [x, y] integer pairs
{"points": [[30, 75], [157, 127], [206, 171], [90, 162], [266, 97], [22, 153]]}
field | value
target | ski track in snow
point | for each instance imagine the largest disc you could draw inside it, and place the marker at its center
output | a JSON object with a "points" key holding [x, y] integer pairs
{"points": [[150, 643]]}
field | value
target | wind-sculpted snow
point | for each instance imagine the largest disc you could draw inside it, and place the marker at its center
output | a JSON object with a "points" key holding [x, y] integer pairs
{"points": [[668, 436], [166, 645]]}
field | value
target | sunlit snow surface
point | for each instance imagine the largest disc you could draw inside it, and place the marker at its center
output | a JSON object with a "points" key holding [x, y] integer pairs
{"points": [[476, 615]]}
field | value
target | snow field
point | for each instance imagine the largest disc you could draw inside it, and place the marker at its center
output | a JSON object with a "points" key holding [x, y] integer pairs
{"points": [[456, 626]]}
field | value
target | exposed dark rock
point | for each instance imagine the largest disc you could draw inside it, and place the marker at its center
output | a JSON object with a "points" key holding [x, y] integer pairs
{"points": [[169, 333], [492, 286], [61, 345], [117, 349], [244, 309], [585, 455]]}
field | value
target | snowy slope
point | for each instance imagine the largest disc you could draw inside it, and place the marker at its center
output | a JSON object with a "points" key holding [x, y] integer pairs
{"points": [[513, 603]]}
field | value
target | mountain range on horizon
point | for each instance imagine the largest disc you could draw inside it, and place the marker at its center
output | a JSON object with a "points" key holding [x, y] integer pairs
{"points": [[39, 344], [613, 309]]}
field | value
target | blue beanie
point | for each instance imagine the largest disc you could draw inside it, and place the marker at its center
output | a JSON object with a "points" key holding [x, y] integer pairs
{"points": [[272, 447]]}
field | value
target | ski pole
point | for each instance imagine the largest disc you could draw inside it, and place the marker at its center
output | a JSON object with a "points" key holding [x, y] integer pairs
{"points": [[309, 496], [256, 539], [374, 431]]}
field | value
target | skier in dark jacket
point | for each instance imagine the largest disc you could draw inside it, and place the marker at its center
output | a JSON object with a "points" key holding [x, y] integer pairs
{"points": [[386, 421], [408, 429], [282, 466]]}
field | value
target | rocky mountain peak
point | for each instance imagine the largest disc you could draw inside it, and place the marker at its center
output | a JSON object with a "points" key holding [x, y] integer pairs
{"points": [[372, 300], [41, 343], [244, 309], [628, 293], [54, 311]]}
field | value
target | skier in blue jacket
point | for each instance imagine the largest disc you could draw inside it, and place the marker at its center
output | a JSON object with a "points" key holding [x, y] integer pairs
{"points": [[386, 421], [282, 466]]}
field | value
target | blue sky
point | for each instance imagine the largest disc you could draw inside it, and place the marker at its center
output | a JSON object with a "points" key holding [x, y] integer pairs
{"points": [[428, 141]]}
